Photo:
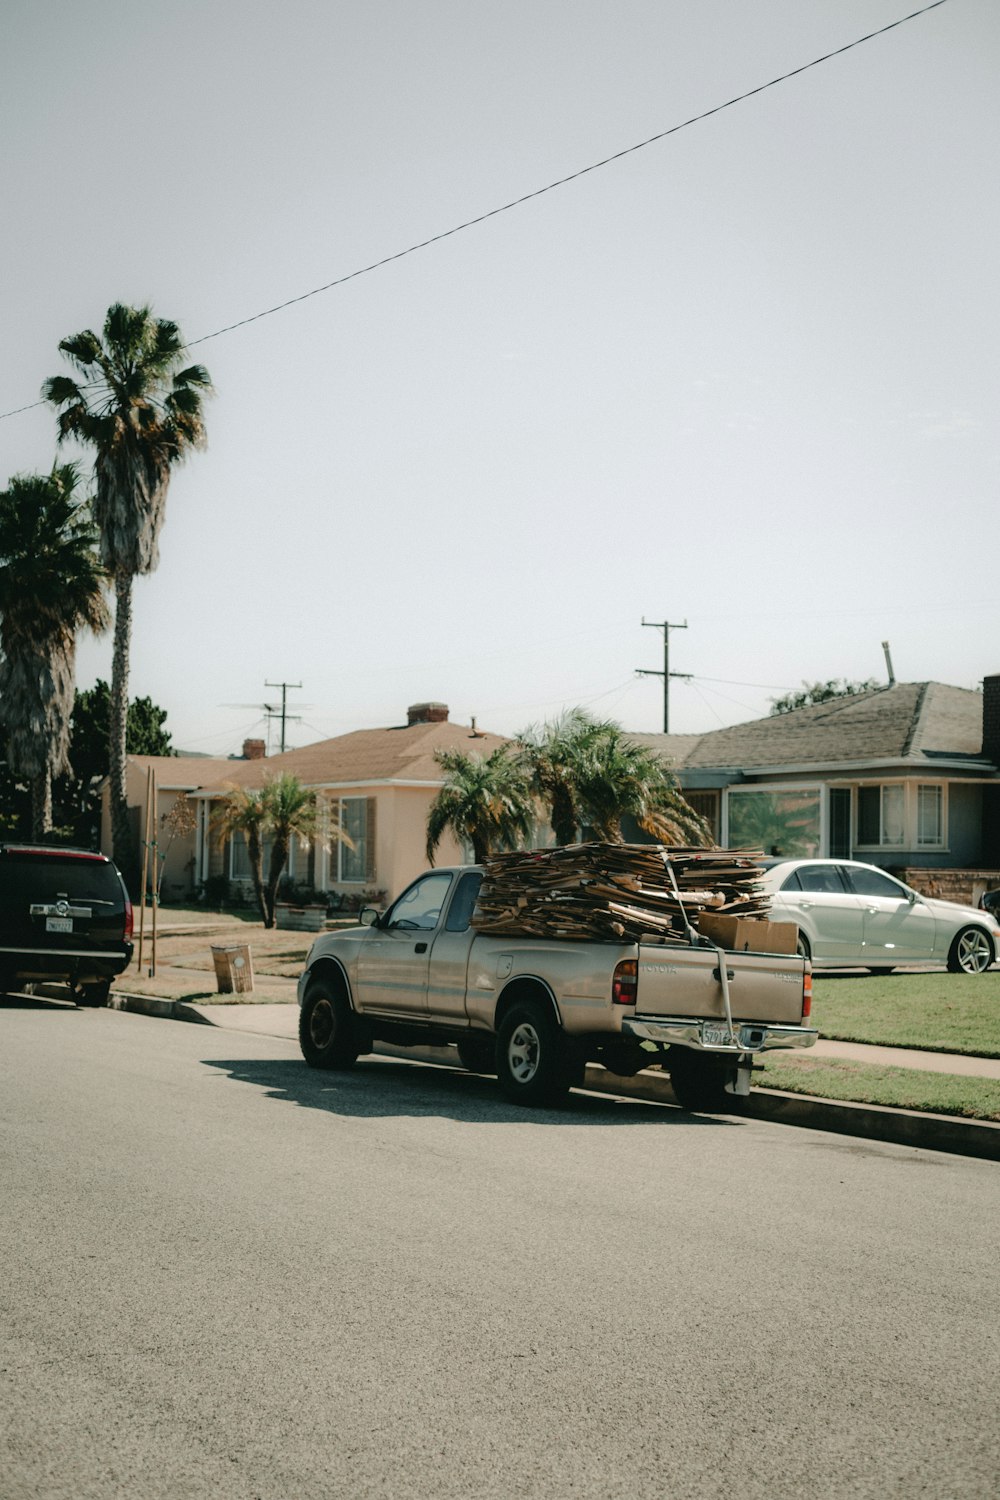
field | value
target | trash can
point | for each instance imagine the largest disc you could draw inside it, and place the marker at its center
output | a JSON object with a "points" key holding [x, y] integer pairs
{"points": [[233, 969]]}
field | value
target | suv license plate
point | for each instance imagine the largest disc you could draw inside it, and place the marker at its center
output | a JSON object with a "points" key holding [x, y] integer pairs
{"points": [[715, 1036], [58, 924]]}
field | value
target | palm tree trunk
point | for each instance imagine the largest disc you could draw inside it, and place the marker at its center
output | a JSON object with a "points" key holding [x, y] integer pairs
{"points": [[121, 832], [279, 858], [255, 854], [41, 804]]}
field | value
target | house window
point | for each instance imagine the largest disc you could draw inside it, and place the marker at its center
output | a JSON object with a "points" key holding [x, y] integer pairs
{"points": [[930, 817], [356, 816], [783, 821], [881, 816]]}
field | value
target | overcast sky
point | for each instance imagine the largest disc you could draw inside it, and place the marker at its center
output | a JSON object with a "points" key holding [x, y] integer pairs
{"points": [[745, 377]]}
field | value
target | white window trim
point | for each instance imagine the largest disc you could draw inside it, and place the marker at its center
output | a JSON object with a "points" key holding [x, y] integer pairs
{"points": [[911, 820]]}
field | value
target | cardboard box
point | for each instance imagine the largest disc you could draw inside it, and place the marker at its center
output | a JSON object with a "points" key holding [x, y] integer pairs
{"points": [[749, 934]]}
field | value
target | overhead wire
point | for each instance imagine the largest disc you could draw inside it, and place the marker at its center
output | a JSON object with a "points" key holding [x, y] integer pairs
{"points": [[548, 188]]}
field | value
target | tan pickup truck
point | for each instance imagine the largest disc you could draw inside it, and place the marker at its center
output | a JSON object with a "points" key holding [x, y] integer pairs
{"points": [[536, 1010]]}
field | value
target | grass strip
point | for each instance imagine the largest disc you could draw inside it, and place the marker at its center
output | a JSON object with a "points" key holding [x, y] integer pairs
{"points": [[932, 1012], [899, 1088]]}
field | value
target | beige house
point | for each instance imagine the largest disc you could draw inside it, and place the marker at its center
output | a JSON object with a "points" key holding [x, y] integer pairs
{"points": [[377, 784], [174, 777]]}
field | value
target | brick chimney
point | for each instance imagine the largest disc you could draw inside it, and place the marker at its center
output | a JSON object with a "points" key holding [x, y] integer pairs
{"points": [[991, 719], [254, 750], [427, 713]]}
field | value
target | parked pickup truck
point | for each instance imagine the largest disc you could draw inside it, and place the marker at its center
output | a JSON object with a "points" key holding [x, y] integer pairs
{"points": [[536, 1010]]}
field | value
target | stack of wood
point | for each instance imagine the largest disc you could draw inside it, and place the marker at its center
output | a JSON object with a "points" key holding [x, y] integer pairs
{"points": [[615, 891]]}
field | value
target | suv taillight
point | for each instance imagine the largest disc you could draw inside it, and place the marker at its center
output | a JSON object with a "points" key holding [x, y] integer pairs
{"points": [[128, 918], [625, 984]]}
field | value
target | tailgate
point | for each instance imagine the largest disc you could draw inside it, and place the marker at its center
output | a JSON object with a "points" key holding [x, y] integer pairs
{"points": [[685, 981]]}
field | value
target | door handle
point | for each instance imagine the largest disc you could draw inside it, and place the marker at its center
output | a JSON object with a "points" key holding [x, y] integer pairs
{"points": [[420, 948]]}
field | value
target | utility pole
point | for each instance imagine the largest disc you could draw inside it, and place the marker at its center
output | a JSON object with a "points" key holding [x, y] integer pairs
{"points": [[666, 673], [284, 715]]}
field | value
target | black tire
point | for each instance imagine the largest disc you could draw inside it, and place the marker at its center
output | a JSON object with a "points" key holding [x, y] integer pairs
{"points": [[92, 995], [699, 1083], [478, 1054], [971, 952], [328, 1034], [533, 1064]]}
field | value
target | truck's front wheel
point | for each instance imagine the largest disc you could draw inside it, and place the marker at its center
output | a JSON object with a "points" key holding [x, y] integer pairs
{"points": [[327, 1032], [699, 1082], [532, 1062]]}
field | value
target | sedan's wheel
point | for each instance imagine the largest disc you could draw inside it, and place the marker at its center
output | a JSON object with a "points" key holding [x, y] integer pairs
{"points": [[327, 1031], [802, 947], [971, 952], [532, 1062]]}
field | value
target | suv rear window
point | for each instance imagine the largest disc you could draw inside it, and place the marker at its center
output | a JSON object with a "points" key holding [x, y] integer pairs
{"points": [[27, 874]]}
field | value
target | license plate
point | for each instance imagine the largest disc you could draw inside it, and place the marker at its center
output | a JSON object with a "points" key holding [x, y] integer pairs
{"points": [[715, 1036], [58, 924]]}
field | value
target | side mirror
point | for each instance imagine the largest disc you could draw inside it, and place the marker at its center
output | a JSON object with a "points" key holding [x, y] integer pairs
{"points": [[912, 897], [368, 916]]}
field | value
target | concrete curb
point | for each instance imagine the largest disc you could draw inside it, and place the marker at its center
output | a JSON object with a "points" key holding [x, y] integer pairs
{"points": [[902, 1127]]}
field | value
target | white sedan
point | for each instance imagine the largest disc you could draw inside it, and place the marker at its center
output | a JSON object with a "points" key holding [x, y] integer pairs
{"points": [[849, 913]]}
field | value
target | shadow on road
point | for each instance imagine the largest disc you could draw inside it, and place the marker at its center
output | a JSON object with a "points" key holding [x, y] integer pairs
{"points": [[381, 1087]]}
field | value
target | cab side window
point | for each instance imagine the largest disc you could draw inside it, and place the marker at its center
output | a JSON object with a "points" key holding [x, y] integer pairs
{"points": [[420, 907], [460, 914]]}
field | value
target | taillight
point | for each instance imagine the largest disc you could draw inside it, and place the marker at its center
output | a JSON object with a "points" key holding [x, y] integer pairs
{"points": [[128, 918], [625, 984], [807, 994]]}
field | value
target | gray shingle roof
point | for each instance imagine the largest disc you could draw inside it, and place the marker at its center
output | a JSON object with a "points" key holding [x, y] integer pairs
{"points": [[918, 721]]}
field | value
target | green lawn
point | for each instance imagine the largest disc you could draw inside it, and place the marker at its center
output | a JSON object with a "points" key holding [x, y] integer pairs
{"points": [[935, 1012], [901, 1088]]}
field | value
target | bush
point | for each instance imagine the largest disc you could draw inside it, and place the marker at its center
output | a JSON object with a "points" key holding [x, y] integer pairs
{"points": [[215, 892]]}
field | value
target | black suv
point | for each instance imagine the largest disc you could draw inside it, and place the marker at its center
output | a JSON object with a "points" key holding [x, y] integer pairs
{"points": [[65, 917]]}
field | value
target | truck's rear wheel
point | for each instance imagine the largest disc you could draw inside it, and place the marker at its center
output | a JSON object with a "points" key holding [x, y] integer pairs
{"points": [[532, 1061], [699, 1082], [327, 1032]]}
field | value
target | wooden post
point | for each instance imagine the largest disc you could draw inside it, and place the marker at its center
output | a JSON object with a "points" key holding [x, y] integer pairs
{"points": [[145, 863]]}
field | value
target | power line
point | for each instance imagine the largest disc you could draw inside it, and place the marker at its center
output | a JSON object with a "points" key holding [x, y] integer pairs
{"points": [[548, 188]]}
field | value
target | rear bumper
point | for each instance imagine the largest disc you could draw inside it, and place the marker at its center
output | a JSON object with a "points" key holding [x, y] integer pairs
{"points": [[74, 966], [703, 1034]]}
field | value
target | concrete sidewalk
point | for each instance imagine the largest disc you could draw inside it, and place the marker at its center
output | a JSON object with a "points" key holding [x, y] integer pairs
{"points": [[979, 1138]]}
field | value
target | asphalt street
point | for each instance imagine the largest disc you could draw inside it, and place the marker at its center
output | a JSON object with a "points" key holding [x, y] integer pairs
{"points": [[228, 1275]]}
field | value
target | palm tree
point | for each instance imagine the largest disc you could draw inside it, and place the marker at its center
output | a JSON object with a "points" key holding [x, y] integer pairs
{"points": [[141, 413], [619, 778], [553, 757], [486, 802], [244, 811], [51, 586], [589, 773], [290, 811]]}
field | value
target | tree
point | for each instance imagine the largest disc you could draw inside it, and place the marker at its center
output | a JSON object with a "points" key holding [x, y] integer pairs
{"points": [[618, 778], [589, 773], [141, 413], [553, 757], [290, 812], [821, 692], [486, 802], [76, 794], [244, 811], [269, 817], [52, 585]]}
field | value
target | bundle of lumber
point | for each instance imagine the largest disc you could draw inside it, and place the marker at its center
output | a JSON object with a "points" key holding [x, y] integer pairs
{"points": [[614, 891]]}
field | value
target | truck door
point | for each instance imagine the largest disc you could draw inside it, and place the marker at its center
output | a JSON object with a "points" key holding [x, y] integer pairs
{"points": [[449, 967], [393, 960]]}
